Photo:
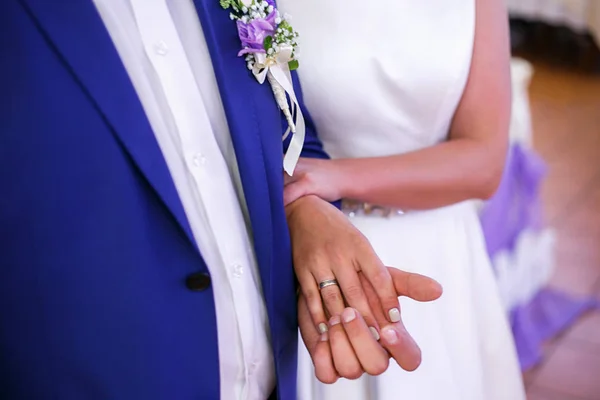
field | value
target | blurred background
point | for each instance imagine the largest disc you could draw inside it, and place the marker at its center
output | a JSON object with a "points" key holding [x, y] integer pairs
{"points": [[543, 226]]}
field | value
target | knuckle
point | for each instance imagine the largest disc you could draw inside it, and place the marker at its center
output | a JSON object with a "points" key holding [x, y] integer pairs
{"points": [[353, 292], [389, 302], [310, 178], [313, 297], [361, 243], [331, 296], [382, 282], [381, 277]]}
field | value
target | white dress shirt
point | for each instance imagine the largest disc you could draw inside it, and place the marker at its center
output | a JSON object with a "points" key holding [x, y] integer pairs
{"points": [[162, 46]]}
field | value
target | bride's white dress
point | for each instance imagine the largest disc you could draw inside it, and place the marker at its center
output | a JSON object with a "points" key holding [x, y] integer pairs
{"points": [[382, 78]]}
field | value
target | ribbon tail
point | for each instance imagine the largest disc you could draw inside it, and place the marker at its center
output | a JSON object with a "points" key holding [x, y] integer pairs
{"points": [[290, 160], [260, 73], [287, 133]]}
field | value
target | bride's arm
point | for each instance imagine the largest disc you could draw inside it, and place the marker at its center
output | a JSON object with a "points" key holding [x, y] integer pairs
{"points": [[468, 165]]}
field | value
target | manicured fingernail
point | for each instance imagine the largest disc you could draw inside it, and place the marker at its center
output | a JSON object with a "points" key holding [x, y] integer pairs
{"points": [[322, 327], [334, 320], [324, 337], [390, 335], [394, 314], [374, 333], [348, 315]]}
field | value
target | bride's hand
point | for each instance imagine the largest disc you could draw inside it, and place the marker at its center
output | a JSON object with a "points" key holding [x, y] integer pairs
{"points": [[326, 246], [321, 178]]}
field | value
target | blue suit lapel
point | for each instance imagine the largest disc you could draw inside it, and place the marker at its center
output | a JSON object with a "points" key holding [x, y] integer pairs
{"points": [[254, 122], [78, 33]]}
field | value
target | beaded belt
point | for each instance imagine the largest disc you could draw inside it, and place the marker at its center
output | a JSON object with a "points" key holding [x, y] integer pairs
{"points": [[353, 208]]}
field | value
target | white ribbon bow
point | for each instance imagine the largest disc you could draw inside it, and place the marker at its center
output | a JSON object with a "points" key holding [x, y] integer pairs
{"points": [[276, 69]]}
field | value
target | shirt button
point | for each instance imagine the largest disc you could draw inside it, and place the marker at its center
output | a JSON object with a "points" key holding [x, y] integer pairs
{"points": [[238, 270], [199, 159], [161, 48]]}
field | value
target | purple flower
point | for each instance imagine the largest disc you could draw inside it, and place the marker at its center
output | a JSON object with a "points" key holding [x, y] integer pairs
{"points": [[253, 34]]}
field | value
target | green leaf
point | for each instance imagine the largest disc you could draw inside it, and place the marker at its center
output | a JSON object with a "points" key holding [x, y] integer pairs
{"points": [[268, 42], [285, 25], [224, 4], [293, 65]]}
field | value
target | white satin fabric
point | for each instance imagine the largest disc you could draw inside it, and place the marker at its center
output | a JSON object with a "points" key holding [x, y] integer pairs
{"points": [[385, 78]]}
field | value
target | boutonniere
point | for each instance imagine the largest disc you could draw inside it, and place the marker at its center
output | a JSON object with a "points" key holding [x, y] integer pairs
{"points": [[271, 51]]}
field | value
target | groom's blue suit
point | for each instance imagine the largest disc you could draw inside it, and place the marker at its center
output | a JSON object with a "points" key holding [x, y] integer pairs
{"points": [[95, 247]]}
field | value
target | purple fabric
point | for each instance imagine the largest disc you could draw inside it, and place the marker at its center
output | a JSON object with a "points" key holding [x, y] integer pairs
{"points": [[516, 204], [547, 315]]}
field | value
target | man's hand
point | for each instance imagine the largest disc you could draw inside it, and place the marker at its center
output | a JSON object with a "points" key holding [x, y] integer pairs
{"points": [[348, 349]]}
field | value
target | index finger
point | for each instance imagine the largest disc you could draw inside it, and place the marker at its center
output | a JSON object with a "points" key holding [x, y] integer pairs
{"points": [[417, 287], [381, 281], [394, 337]]}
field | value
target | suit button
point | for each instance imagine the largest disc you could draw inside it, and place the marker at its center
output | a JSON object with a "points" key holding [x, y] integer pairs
{"points": [[197, 281]]}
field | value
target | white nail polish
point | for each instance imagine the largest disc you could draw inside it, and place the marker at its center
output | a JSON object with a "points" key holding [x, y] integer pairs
{"points": [[374, 333], [348, 315], [390, 335], [322, 327], [394, 314]]}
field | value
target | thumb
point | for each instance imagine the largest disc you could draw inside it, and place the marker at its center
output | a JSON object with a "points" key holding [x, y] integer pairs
{"points": [[293, 191], [417, 287], [401, 346]]}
